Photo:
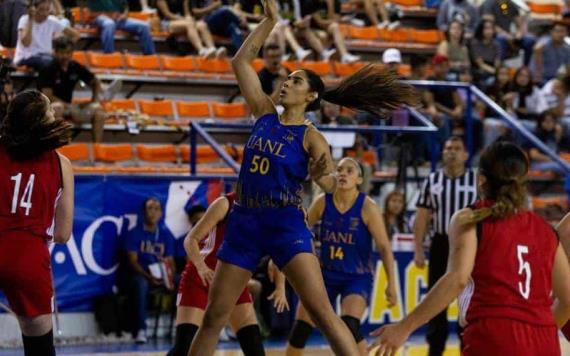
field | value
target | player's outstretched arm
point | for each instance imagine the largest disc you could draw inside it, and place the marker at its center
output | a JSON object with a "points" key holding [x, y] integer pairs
{"points": [[64, 208], [462, 252], [248, 81], [561, 287]]}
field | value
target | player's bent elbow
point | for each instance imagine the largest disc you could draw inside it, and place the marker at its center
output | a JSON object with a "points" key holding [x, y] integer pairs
{"points": [[61, 238]]}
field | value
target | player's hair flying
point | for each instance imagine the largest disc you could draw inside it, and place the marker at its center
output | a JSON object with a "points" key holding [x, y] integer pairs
{"points": [[505, 167], [372, 89], [25, 131]]}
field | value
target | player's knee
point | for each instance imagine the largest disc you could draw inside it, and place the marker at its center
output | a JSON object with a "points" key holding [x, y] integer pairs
{"points": [[215, 317], [354, 327], [333, 27], [201, 25], [300, 334], [36, 326]]}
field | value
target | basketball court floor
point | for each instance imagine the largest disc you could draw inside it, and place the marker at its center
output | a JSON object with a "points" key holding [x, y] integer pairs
{"points": [[318, 347]]}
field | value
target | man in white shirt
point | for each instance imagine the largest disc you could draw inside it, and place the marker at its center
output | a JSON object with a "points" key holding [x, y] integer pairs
{"points": [[34, 47]]}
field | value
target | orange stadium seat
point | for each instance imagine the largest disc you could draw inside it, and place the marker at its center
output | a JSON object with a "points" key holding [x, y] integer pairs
{"points": [[178, 64], [405, 70], [345, 69], [204, 154], [76, 14], [143, 16], [235, 151], [322, 68], [258, 64], [193, 109], [120, 104], [105, 60], [344, 29], [142, 62], [396, 35], [538, 8], [75, 151], [290, 65], [156, 107], [214, 65], [156, 153], [364, 33], [367, 156], [408, 3], [229, 111], [80, 57], [112, 152], [426, 36]]}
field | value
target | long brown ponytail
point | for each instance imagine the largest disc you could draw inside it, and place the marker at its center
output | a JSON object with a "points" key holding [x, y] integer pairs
{"points": [[372, 89], [505, 167]]}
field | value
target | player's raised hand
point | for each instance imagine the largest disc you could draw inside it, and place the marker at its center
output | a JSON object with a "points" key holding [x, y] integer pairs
{"points": [[389, 339], [279, 298], [271, 9]]}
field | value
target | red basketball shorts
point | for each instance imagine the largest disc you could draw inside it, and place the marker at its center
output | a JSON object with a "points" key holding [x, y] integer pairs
{"points": [[25, 274], [193, 293], [507, 337]]}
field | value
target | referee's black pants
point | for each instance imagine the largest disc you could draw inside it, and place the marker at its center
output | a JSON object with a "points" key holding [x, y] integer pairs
{"points": [[438, 327]]}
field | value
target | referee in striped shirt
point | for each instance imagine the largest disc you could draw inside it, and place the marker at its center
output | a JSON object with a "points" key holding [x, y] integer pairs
{"points": [[444, 192]]}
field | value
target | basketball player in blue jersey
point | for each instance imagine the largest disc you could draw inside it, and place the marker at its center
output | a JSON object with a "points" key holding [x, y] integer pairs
{"points": [[350, 223], [267, 218]]}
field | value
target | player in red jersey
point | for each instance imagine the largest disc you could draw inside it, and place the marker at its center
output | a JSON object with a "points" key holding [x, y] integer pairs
{"points": [[36, 206], [201, 245], [507, 261]]}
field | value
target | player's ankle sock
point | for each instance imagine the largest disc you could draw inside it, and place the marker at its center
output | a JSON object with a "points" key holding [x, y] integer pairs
{"points": [[249, 338], [184, 335], [39, 345]]}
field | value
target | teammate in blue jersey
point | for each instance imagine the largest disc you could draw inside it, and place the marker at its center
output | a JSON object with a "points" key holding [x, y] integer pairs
{"points": [[350, 223], [267, 218]]}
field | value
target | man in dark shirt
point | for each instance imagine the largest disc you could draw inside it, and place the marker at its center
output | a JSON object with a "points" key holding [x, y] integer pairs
{"points": [[273, 74], [57, 82]]}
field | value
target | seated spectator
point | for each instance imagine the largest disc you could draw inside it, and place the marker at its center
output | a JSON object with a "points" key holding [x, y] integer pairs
{"points": [[282, 35], [331, 115], [58, 80], [273, 74], [457, 10], [392, 59], [524, 99], [551, 134], [147, 244], [176, 18], [10, 12], [375, 9], [419, 67], [500, 86], [506, 13], [58, 11], [395, 214], [557, 95], [221, 20], [35, 37], [318, 15], [494, 128], [551, 55], [454, 48], [113, 15], [485, 53]]}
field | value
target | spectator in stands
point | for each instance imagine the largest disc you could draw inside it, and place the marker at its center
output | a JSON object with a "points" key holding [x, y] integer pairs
{"points": [[505, 13], [331, 115], [395, 214], [485, 53], [34, 48], [551, 134], [419, 67], [113, 15], [148, 245], [58, 80], [392, 59], [176, 18], [454, 48], [10, 12], [375, 9], [221, 20], [494, 128], [367, 157], [446, 101], [273, 74], [458, 10], [314, 15], [58, 11], [552, 55], [557, 95], [524, 99], [500, 86], [282, 35]]}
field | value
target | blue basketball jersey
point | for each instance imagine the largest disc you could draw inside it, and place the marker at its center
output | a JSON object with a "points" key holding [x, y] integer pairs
{"points": [[346, 243], [275, 164]]}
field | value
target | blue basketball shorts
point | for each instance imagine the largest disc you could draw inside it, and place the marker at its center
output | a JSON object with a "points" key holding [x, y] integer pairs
{"points": [[344, 284], [251, 234]]}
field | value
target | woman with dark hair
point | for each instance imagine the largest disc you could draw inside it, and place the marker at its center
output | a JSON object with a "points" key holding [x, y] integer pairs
{"points": [[485, 52], [504, 263], [525, 100], [36, 188], [350, 223], [454, 48], [267, 218], [395, 214]]}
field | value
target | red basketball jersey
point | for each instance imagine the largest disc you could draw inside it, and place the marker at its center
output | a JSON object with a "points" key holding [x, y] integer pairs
{"points": [[29, 191], [210, 245], [512, 276]]}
